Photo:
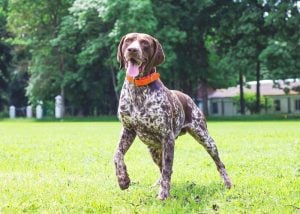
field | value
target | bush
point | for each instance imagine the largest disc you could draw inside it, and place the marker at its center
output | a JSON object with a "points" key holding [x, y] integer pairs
{"points": [[250, 102]]}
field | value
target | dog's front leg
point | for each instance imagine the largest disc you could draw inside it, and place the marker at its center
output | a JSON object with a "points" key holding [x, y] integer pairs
{"points": [[126, 139], [167, 164]]}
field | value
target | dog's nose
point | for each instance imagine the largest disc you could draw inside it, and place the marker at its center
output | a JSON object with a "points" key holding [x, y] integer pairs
{"points": [[132, 50], [134, 47]]}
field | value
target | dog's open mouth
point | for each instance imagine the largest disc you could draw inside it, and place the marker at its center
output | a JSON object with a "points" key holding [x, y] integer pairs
{"points": [[133, 67]]}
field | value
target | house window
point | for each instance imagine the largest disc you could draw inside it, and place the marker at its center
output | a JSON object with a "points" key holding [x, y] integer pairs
{"points": [[297, 105], [277, 105], [215, 109]]}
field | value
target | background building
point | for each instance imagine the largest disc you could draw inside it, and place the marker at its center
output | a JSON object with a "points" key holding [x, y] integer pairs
{"points": [[283, 95]]}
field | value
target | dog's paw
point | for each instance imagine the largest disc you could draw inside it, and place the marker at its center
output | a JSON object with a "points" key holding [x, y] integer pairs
{"points": [[163, 194], [124, 182], [226, 179], [228, 184]]}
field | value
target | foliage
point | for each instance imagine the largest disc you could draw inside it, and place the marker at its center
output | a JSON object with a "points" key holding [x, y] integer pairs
{"points": [[279, 59], [34, 25], [250, 102], [54, 168], [102, 28], [5, 56], [69, 47], [246, 41], [281, 56]]}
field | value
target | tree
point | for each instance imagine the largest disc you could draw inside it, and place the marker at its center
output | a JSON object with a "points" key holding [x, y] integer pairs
{"points": [[101, 24], [189, 46], [35, 24], [5, 56], [282, 56], [226, 36], [245, 40], [69, 47], [18, 76], [82, 43]]}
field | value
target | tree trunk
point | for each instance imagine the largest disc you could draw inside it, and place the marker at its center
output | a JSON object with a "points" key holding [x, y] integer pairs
{"points": [[204, 97], [62, 89], [62, 94], [114, 81], [242, 100], [257, 106]]}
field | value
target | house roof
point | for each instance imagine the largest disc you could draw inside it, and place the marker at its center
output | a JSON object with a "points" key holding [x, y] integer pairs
{"points": [[267, 88]]}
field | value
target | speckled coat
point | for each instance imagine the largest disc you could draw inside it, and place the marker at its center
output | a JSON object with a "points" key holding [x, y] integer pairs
{"points": [[158, 116], [153, 112]]}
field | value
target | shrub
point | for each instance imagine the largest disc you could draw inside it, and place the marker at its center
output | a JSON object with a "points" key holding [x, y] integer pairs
{"points": [[250, 102]]}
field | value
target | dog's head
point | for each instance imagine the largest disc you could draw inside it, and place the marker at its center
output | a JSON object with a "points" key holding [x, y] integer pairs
{"points": [[139, 53]]}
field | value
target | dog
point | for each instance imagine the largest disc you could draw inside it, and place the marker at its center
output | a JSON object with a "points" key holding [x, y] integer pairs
{"points": [[154, 113]]}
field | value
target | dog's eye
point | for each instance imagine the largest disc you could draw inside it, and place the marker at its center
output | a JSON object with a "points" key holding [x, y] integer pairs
{"points": [[145, 43], [128, 40]]}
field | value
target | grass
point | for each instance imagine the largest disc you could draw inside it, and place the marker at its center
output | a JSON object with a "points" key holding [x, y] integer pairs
{"points": [[58, 167]]}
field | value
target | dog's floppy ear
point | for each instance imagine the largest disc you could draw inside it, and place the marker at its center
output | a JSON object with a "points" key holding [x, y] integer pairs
{"points": [[158, 55], [120, 56]]}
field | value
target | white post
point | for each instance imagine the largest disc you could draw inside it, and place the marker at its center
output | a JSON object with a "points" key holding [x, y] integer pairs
{"points": [[58, 106], [29, 111], [12, 112], [39, 111]]}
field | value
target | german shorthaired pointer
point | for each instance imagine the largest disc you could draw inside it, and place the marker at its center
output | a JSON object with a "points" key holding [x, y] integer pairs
{"points": [[154, 113]]}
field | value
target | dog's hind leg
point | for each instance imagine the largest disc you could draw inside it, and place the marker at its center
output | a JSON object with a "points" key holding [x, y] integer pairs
{"points": [[208, 143], [199, 131]]}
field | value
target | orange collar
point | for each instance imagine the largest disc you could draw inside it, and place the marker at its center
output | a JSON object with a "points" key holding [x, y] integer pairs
{"points": [[143, 81]]}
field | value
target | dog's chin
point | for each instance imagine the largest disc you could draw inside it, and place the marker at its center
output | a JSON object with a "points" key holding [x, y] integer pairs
{"points": [[134, 60]]}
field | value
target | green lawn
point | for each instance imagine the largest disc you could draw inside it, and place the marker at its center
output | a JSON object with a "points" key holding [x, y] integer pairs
{"points": [[67, 167]]}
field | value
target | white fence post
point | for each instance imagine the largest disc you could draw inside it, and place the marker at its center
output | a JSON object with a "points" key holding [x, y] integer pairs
{"points": [[29, 111], [58, 106], [39, 111], [12, 112]]}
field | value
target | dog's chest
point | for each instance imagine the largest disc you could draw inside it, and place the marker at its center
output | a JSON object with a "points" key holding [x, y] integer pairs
{"points": [[147, 111], [143, 107]]}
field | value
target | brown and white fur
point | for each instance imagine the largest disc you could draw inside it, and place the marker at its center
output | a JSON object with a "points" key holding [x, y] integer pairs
{"points": [[156, 114]]}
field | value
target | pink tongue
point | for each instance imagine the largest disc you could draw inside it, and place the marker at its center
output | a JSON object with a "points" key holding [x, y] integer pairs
{"points": [[132, 69]]}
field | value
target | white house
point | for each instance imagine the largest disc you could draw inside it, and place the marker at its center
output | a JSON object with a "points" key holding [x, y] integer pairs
{"points": [[284, 97]]}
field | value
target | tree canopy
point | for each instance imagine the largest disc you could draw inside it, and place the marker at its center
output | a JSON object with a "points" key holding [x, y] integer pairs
{"points": [[69, 47]]}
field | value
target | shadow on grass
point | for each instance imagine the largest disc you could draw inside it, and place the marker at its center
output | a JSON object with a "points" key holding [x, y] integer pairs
{"points": [[113, 118], [108, 118], [66, 119], [185, 197], [256, 117], [196, 196]]}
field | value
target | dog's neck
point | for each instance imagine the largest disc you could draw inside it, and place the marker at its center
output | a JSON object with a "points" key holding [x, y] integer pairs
{"points": [[153, 86], [156, 85], [150, 79]]}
